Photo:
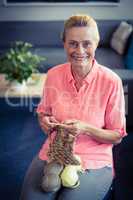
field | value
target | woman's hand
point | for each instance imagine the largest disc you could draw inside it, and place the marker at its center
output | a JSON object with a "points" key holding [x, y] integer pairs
{"points": [[74, 126], [98, 134], [47, 122]]}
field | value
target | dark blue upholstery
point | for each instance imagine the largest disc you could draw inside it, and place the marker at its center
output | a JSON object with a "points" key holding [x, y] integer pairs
{"points": [[20, 140], [123, 162], [39, 33]]}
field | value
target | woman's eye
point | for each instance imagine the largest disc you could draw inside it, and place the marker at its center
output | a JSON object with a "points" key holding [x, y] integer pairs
{"points": [[87, 44], [73, 44]]}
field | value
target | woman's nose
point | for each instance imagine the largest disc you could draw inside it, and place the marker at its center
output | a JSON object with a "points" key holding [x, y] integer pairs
{"points": [[80, 48]]}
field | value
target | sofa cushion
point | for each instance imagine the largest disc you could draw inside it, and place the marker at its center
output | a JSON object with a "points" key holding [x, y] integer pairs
{"points": [[128, 60], [106, 29], [120, 36], [39, 33], [109, 58]]}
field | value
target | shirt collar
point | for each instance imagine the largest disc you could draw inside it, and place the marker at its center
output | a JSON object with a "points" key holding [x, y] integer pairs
{"points": [[89, 77]]}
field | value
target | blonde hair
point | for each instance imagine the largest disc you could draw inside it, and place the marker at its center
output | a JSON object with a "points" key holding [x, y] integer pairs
{"points": [[81, 20]]}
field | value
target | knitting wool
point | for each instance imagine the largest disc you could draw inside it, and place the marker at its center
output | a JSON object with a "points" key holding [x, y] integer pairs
{"points": [[61, 148]]}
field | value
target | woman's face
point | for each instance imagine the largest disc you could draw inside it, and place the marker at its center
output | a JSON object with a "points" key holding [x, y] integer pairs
{"points": [[80, 47]]}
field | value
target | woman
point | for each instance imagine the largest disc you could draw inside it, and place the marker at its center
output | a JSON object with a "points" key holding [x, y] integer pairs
{"points": [[87, 98]]}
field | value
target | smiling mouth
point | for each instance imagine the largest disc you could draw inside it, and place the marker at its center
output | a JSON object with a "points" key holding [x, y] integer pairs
{"points": [[80, 58]]}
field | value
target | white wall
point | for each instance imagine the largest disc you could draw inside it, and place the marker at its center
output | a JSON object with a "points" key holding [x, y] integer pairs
{"points": [[123, 11]]}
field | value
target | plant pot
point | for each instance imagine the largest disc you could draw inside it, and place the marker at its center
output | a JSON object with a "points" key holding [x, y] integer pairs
{"points": [[18, 87], [33, 79]]}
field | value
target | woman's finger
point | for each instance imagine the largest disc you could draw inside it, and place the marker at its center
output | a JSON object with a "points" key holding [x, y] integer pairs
{"points": [[52, 119], [71, 121]]}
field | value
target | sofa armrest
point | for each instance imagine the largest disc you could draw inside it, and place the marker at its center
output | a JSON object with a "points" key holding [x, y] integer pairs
{"points": [[127, 79]]}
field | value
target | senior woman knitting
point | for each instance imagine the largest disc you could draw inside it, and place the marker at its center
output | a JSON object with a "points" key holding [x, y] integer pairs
{"points": [[87, 99]]}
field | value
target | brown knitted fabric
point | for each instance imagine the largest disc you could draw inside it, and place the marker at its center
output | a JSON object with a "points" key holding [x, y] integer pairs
{"points": [[61, 149]]}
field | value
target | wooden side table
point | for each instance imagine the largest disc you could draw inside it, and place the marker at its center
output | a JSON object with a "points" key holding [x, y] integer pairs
{"points": [[33, 89], [23, 100]]}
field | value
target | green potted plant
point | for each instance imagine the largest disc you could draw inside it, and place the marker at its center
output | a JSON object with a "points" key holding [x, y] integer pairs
{"points": [[18, 63]]}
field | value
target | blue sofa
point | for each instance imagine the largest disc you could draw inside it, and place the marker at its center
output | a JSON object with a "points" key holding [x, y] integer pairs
{"points": [[46, 38], [21, 136]]}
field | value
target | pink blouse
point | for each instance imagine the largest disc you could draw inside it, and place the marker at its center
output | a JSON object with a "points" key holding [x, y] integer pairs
{"points": [[100, 102]]}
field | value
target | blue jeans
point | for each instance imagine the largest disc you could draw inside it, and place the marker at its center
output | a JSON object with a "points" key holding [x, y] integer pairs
{"points": [[94, 185]]}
